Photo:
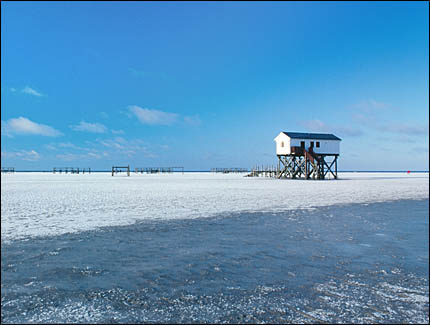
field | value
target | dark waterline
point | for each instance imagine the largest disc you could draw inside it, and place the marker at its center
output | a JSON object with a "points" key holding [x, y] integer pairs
{"points": [[347, 263], [208, 171]]}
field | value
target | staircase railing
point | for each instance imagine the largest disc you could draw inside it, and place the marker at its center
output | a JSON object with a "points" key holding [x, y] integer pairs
{"points": [[309, 155]]}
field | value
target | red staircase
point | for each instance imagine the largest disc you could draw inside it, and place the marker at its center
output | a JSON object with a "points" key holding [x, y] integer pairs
{"points": [[309, 155]]}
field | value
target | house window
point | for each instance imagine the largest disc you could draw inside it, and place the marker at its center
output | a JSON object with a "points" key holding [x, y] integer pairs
{"points": [[318, 144], [282, 144], [312, 144], [302, 144]]}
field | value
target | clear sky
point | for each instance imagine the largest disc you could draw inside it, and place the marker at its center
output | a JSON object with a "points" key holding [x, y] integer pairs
{"points": [[211, 84]]}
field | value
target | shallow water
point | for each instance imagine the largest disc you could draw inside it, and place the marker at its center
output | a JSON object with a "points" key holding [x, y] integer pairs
{"points": [[360, 263]]}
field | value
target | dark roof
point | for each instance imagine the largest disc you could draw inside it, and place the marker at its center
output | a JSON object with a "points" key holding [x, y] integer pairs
{"points": [[311, 136]]}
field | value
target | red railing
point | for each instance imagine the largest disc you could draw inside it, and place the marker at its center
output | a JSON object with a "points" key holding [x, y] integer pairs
{"points": [[309, 154], [297, 151]]}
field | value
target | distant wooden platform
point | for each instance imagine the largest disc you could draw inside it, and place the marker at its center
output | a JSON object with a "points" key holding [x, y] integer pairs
{"points": [[71, 170], [157, 170], [229, 170]]}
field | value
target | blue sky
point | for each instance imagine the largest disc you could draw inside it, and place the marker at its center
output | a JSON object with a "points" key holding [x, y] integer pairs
{"points": [[209, 84]]}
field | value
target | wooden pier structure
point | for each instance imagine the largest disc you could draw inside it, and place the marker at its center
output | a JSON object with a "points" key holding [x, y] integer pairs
{"points": [[264, 171], [229, 170], [307, 164], [8, 170], [71, 170], [303, 155], [119, 169], [158, 170]]}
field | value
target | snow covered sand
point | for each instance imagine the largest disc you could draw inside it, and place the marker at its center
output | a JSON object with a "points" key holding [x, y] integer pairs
{"points": [[44, 204]]}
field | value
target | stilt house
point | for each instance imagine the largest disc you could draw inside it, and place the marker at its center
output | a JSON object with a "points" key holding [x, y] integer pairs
{"points": [[306, 154]]}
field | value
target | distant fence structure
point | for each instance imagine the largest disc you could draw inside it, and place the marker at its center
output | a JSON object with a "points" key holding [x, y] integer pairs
{"points": [[229, 170], [264, 171], [119, 169], [71, 170], [8, 170], [157, 170]]}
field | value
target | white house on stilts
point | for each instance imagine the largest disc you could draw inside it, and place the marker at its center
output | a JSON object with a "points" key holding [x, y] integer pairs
{"points": [[307, 155]]}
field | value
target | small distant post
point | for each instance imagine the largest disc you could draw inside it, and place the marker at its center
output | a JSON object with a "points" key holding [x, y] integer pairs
{"points": [[7, 170], [116, 169]]}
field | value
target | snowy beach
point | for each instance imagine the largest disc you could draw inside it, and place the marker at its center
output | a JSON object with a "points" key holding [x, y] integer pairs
{"points": [[43, 204]]}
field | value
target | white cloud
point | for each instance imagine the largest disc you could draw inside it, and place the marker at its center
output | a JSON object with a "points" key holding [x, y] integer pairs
{"points": [[420, 150], [404, 128], [31, 91], [192, 120], [111, 144], [104, 115], [13, 89], [137, 73], [89, 127], [94, 155], [117, 147], [62, 145], [77, 156], [22, 154], [68, 156], [67, 145], [50, 147], [373, 121], [152, 116], [123, 147], [24, 126], [371, 105], [320, 126], [117, 131], [315, 126]]}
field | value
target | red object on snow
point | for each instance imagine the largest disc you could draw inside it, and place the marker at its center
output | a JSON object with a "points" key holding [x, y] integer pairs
{"points": [[409, 171]]}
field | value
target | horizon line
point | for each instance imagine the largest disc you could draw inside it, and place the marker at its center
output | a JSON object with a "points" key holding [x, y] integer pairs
{"points": [[210, 171]]}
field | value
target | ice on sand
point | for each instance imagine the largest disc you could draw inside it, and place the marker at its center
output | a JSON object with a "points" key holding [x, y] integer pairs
{"points": [[44, 204]]}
